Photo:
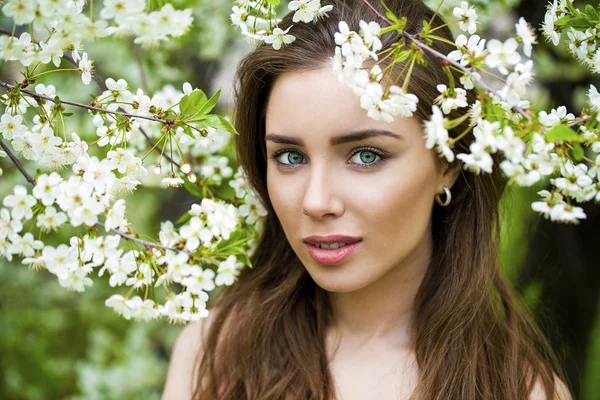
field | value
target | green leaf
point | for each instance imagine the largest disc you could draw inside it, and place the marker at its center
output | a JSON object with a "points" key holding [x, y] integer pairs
{"points": [[578, 23], [388, 13], [495, 113], [209, 105], [187, 130], [217, 122], [244, 259], [562, 133], [274, 2], [190, 103], [578, 152], [185, 217], [591, 12], [572, 8], [562, 21]]}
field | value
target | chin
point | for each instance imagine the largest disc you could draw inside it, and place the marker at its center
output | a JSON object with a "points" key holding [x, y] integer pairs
{"points": [[337, 280]]}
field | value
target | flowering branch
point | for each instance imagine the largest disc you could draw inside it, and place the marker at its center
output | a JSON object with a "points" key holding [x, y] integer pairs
{"points": [[87, 106], [103, 87], [124, 235], [441, 56]]}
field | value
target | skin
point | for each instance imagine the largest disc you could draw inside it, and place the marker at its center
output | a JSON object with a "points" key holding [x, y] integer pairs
{"points": [[333, 189]]}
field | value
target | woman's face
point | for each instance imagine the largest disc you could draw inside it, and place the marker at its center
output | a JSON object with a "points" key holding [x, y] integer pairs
{"points": [[379, 189]]}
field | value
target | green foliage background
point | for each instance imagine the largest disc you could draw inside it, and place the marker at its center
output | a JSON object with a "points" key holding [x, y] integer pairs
{"points": [[56, 344]]}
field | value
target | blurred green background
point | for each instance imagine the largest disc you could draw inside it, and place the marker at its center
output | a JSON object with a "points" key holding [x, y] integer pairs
{"points": [[56, 344]]}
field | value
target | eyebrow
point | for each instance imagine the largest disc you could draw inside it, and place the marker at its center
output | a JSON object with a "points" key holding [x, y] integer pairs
{"points": [[351, 137]]}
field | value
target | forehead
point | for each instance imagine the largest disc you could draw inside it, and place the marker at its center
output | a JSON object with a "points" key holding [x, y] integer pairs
{"points": [[314, 102], [313, 98]]}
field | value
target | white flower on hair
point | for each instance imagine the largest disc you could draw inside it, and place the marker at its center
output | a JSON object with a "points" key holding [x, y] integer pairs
{"points": [[556, 116], [468, 50], [436, 134], [502, 55], [512, 146], [467, 16], [305, 9], [478, 160], [400, 102], [567, 213], [369, 32], [280, 37], [466, 80], [525, 33], [451, 99]]}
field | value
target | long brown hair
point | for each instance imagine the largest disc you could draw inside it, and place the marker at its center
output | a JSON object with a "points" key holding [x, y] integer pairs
{"points": [[474, 339]]}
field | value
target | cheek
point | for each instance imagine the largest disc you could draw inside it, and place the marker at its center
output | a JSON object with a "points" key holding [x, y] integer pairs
{"points": [[285, 199], [397, 206]]}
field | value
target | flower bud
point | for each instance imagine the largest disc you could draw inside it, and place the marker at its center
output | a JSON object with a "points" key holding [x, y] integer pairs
{"points": [[185, 167], [191, 177], [158, 169]]}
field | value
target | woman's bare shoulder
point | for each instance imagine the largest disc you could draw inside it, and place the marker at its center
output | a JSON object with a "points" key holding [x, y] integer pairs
{"points": [[187, 347], [561, 389]]}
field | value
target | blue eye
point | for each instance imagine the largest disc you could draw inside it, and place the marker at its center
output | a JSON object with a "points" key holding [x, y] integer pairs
{"points": [[368, 157], [292, 157]]}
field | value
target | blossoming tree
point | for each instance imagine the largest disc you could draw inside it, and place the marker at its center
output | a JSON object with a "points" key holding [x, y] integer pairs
{"points": [[176, 135]]}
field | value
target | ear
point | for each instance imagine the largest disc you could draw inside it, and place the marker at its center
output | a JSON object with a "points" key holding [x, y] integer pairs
{"points": [[450, 173]]}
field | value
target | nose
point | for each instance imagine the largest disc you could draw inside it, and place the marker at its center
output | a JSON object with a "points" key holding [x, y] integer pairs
{"points": [[321, 197]]}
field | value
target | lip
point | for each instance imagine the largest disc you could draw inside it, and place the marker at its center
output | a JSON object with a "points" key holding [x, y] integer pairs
{"points": [[332, 256], [329, 239]]}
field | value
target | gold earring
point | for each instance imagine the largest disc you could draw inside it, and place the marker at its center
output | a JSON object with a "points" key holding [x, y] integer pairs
{"points": [[448, 197]]}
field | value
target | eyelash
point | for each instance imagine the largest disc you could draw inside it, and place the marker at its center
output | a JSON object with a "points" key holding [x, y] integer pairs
{"points": [[382, 156]]}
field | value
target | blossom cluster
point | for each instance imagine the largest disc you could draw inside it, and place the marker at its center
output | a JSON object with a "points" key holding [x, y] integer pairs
{"points": [[81, 184], [69, 27], [580, 29], [534, 147], [258, 22]]}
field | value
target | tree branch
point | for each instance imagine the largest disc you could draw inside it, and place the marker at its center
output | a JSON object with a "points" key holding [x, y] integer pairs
{"points": [[17, 163], [72, 103], [103, 87]]}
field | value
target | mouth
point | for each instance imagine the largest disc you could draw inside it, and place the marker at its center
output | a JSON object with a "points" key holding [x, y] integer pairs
{"points": [[335, 254]]}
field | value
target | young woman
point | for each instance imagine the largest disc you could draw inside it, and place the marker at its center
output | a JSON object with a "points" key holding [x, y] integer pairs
{"points": [[414, 303]]}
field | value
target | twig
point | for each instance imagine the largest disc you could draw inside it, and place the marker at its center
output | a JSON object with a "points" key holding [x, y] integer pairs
{"points": [[140, 241], [72, 103], [17, 163]]}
